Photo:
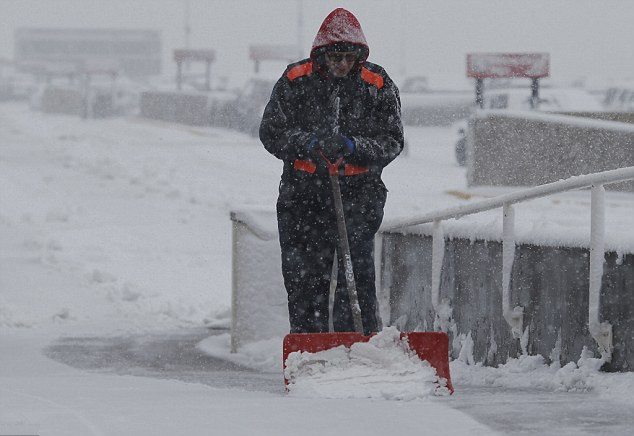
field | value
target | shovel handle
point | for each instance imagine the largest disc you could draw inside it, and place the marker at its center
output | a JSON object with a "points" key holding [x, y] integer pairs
{"points": [[333, 167], [344, 246]]}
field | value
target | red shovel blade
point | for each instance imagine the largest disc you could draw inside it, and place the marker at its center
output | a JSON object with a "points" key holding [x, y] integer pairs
{"points": [[430, 346]]}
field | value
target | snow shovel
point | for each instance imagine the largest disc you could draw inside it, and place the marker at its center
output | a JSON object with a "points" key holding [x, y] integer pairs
{"points": [[430, 346]]}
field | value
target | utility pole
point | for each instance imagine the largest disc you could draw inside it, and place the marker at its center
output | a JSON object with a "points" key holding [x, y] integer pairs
{"points": [[188, 28], [188, 31], [300, 28], [402, 37]]}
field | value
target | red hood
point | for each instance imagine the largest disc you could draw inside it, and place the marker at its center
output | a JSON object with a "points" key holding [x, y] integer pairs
{"points": [[340, 26]]}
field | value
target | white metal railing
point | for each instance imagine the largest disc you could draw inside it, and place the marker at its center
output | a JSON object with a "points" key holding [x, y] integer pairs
{"points": [[600, 331]]}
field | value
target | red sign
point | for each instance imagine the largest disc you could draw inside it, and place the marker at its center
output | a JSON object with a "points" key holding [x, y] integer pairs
{"points": [[499, 65]]}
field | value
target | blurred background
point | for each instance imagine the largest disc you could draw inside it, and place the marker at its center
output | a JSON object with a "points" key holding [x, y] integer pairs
{"points": [[586, 39], [99, 57]]}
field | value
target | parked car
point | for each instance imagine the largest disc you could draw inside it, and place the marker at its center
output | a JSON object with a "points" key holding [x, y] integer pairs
{"points": [[245, 112], [222, 107], [16, 87], [415, 84], [619, 99], [460, 128]]}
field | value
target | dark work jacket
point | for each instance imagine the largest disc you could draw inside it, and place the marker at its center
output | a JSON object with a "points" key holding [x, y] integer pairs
{"points": [[302, 107]]}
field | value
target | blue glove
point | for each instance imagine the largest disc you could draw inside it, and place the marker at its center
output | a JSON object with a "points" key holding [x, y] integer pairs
{"points": [[310, 145], [350, 145]]}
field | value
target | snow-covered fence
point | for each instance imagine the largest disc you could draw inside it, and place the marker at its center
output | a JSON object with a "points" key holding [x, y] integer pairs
{"points": [[620, 117], [258, 301], [600, 331]]}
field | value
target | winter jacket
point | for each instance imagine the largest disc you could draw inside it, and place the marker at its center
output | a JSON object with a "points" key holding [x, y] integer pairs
{"points": [[302, 107]]}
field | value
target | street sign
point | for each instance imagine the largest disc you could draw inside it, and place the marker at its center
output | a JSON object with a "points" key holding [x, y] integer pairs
{"points": [[505, 65]]}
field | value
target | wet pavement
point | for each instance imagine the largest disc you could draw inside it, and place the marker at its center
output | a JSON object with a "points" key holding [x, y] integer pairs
{"points": [[515, 411], [171, 355], [510, 411]]}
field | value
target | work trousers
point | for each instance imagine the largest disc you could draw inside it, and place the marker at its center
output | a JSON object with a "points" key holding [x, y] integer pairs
{"points": [[308, 239]]}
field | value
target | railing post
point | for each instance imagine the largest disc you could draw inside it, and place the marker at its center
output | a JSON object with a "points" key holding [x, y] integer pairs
{"points": [[515, 316], [441, 316], [600, 331], [235, 228]]}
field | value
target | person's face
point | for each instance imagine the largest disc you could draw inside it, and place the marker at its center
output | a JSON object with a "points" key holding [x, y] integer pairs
{"points": [[340, 63]]}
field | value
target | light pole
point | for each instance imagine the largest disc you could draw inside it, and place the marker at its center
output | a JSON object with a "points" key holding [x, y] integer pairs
{"points": [[188, 28], [403, 39], [300, 27]]}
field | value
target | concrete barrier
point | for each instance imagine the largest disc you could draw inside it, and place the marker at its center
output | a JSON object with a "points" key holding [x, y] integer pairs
{"points": [[527, 148], [259, 303], [61, 100], [259, 307], [550, 283], [177, 107], [95, 103]]}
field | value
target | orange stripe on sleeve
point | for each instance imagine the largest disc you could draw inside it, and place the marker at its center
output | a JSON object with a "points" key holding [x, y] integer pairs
{"points": [[305, 165], [300, 70], [372, 78]]}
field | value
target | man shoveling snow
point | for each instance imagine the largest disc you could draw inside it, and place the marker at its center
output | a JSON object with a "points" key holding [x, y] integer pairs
{"points": [[334, 119], [334, 106]]}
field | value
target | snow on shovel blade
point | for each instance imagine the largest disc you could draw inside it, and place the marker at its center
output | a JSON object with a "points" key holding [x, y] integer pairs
{"points": [[432, 347]]}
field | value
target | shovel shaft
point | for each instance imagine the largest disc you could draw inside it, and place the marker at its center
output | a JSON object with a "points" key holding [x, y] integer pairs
{"points": [[344, 249], [344, 246]]}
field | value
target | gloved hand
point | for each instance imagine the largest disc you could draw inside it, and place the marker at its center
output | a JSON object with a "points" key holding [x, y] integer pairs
{"points": [[312, 150], [334, 147]]}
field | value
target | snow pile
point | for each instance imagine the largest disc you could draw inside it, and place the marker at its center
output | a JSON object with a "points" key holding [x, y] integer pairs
{"points": [[533, 372], [384, 367]]}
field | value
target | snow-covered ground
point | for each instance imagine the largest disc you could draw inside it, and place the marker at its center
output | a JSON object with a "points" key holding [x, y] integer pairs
{"points": [[115, 245]]}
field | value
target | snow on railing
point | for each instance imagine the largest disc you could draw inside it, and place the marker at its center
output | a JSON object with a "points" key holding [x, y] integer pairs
{"points": [[600, 331]]}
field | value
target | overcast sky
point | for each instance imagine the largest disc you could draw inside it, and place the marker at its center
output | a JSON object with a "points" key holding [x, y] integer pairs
{"points": [[589, 39]]}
